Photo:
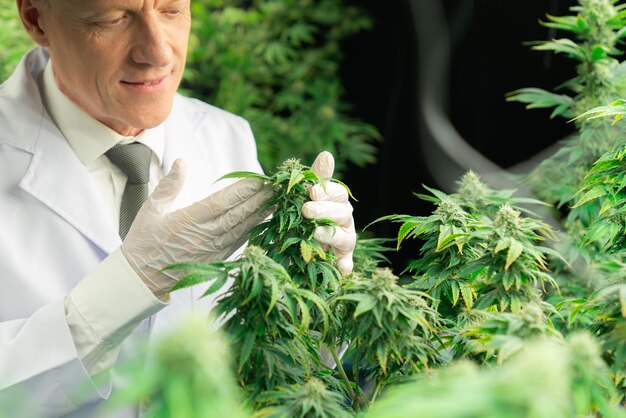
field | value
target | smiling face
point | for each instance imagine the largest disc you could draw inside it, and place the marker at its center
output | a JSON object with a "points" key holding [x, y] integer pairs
{"points": [[121, 61]]}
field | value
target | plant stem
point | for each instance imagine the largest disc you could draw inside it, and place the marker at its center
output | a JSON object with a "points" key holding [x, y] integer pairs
{"points": [[379, 386], [342, 372]]}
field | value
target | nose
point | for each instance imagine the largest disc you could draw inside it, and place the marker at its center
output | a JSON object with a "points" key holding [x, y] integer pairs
{"points": [[151, 43]]}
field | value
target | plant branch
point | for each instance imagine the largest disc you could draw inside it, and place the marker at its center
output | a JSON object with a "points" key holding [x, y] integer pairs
{"points": [[344, 376]]}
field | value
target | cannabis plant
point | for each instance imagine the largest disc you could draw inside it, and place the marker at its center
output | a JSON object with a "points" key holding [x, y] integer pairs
{"points": [[597, 26], [479, 248], [500, 335], [276, 63], [275, 310], [186, 376], [604, 184], [391, 329], [546, 379], [482, 264], [584, 177], [312, 399], [267, 313], [288, 305]]}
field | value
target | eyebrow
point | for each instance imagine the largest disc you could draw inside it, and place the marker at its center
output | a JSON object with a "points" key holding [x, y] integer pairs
{"points": [[94, 12]]}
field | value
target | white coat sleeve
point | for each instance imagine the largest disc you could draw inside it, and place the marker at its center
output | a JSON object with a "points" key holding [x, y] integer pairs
{"points": [[73, 340]]}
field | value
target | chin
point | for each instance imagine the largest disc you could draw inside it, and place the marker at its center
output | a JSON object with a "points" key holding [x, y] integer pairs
{"points": [[149, 118]]}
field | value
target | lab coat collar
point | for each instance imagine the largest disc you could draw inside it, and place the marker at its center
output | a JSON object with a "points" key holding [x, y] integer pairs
{"points": [[56, 177]]}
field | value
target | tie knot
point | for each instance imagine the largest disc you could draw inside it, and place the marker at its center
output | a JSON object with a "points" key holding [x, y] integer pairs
{"points": [[133, 159]]}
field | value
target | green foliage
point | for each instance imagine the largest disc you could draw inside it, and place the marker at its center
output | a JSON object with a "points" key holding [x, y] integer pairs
{"points": [[478, 249], [287, 297], [185, 377], [287, 236], [390, 328], [276, 62], [597, 27], [604, 184], [369, 254], [502, 334], [311, 400], [266, 314], [545, 379], [277, 310], [14, 41]]}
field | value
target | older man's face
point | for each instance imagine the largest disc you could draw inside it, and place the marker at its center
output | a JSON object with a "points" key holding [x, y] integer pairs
{"points": [[119, 60]]}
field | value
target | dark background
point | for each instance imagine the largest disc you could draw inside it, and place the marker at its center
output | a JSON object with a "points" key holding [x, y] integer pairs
{"points": [[487, 59]]}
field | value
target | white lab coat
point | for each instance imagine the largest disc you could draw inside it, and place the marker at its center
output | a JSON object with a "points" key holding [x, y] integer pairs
{"points": [[53, 232]]}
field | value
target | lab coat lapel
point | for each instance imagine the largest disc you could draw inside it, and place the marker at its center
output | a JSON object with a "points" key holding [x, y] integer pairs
{"points": [[60, 181]]}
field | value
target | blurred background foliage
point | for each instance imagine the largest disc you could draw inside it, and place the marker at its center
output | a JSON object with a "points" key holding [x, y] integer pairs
{"points": [[274, 62], [13, 39]]}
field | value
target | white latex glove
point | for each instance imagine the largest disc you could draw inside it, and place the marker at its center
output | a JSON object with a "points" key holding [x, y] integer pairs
{"points": [[331, 202], [208, 230]]}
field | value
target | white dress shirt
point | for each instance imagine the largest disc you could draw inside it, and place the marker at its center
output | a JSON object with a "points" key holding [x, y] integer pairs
{"points": [[98, 327]]}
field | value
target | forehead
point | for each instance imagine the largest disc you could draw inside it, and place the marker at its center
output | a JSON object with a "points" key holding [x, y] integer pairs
{"points": [[97, 5]]}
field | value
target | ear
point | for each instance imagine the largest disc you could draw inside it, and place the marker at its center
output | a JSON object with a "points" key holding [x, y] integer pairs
{"points": [[30, 13]]}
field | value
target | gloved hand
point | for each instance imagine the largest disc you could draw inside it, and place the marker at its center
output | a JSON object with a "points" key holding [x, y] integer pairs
{"points": [[331, 202], [208, 230]]}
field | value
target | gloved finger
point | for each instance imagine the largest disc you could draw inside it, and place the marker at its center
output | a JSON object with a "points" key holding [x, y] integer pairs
{"points": [[324, 165], [221, 201], [227, 221], [238, 235], [341, 241], [334, 192], [345, 264], [340, 213], [167, 189]]}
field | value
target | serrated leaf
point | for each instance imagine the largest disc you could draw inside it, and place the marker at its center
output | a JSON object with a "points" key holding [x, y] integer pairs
{"points": [[246, 349], [193, 279], [305, 315], [507, 281], [219, 282], [515, 250], [405, 229], [274, 297], [442, 244], [295, 178], [244, 175], [438, 193], [456, 291], [306, 251], [257, 286], [365, 304], [590, 195], [502, 244], [381, 355], [289, 242], [467, 294]]}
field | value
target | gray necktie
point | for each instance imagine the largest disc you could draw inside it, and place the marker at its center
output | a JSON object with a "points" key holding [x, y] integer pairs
{"points": [[134, 160]]}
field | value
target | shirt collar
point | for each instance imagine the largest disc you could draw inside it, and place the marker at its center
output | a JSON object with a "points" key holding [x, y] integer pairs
{"points": [[88, 137]]}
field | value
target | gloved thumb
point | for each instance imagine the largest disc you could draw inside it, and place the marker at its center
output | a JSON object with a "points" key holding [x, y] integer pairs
{"points": [[168, 188], [324, 165]]}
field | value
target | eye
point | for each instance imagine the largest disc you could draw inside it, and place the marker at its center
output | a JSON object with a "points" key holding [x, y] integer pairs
{"points": [[114, 22], [172, 12]]}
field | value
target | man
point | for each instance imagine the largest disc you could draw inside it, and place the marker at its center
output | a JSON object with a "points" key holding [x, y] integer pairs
{"points": [[77, 286]]}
